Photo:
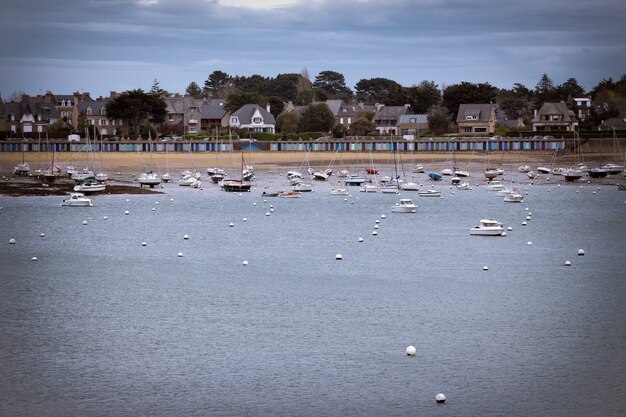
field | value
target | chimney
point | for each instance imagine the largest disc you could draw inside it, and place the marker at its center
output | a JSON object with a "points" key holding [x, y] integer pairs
{"points": [[267, 107]]}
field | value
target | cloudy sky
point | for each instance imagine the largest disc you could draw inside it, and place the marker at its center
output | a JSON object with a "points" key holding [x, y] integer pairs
{"points": [[115, 45]]}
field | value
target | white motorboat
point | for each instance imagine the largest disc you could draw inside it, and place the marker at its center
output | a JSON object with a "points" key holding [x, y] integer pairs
{"points": [[495, 185], [390, 188], [500, 171], [405, 205], [558, 171], [188, 181], [77, 200], [320, 176], [543, 170], [461, 173], [429, 193], [102, 176], [446, 171], [487, 228], [86, 173], [531, 174], [514, 197], [368, 188], [573, 174], [523, 168], [149, 178], [339, 191], [89, 186], [613, 169], [463, 186], [215, 171], [167, 177], [23, 168], [419, 168], [343, 173]]}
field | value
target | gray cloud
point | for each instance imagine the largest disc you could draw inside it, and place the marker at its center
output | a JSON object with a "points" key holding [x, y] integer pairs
{"points": [[116, 44]]}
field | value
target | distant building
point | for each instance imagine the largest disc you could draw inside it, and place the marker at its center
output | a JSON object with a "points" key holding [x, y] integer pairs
{"points": [[554, 116], [581, 107], [387, 118], [413, 124], [254, 118], [476, 119]]}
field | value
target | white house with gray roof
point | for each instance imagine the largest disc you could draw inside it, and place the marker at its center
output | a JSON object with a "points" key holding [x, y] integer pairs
{"points": [[254, 118]]}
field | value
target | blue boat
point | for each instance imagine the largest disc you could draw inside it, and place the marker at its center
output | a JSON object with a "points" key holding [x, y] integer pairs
{"points": [[434, 176]]}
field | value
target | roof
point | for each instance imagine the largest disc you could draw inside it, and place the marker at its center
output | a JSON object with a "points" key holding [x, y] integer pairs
{"points": [[391, 112], [555, 108], [178, 105], [406, 118], [244, 114], [481, 111], [213, 109], [96, 106]]}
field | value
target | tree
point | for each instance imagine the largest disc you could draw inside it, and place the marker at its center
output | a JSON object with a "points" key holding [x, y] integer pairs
{"points": [[284, 85], [361, 127], [237, 100], [316, 118], [374, 90], [438, 121], [137, 107], [304, 81], [156, 89], [334, 84], [545, 92], [287, 122], [339, 131], [276, 105], [193, 90], [218, 84], [570, 89], [467, 93], [423, 96]]}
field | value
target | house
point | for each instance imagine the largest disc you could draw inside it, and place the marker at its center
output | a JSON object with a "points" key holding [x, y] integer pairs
{"points": [[581, 107], [254, 118], [554, 116], [30, 114], [509, 124], [412, 124], [476, 119], [95, 114], [184, 111], [213, 115], [387, 118], [344, 113]]}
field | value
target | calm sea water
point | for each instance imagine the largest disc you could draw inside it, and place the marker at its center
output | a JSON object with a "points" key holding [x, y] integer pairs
{"points": [[101, 325]]}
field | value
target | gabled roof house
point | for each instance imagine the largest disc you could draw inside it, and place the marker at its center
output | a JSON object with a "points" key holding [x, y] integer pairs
{"points": [[554, 116], [476, 119], [254, 118]]}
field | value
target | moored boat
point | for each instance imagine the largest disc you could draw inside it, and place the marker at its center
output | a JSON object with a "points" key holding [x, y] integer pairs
{"points": [[405, 205], [429, 193], [435, 176], [77, 200], [149, 178], [487, 228]]}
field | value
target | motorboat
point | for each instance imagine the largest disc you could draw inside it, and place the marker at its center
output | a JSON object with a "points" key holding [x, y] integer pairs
{"points": [[491, 173], [247, 174], [188, 173], [290, 194], [460, 173], [523, 168], [187, 181], [167, 177], [405, 205], [557, 171], [90, 186], [463, 186], [368, 188], [149, 178], [514, 197], [419, 168], [446, 171], [320, 176], [355, 181], [543, 170], [435, 176], [339, 191], [77, 200], [531, 174], [487, 228], [500, 171], [86, 173], [23, 168], [455, 181], [215, 171], [216, 178], [303, 187], [495, 185], [102, 176], [390, 188], [343, 173], [429, 193]]}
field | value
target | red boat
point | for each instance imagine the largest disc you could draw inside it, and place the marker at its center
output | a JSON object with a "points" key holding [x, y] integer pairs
{"points": [[371, 171]]}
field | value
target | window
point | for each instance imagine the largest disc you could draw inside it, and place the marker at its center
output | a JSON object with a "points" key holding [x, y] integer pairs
{"points": [[467, 129], [413, 120], [88, 111], [480, 130], [471, 117], [234, 119], [103, 111], [257, 120]]}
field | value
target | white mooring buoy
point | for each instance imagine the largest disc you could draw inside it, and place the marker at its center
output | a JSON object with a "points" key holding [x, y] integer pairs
{"points": [[231, 225], [186, 237], [84, 221], [568, 263], [144, 244], [524, 223], [360, 239], [105, 217], [245, 263], [509, 228], [485, 268], [180, 254], [127, 212], [529, 243], [374, 233], [338, 257], [411, 351], [43, 235], [34, 258], [11, 241], [581, 252], [440, 398], [382, 216]]}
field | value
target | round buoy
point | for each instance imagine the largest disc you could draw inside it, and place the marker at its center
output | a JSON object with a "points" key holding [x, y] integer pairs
{"points": [[377, 221], [440, 398], [271, 210], [127, 200], [524, 223], [526, 209], [509, 228], [244, 219], [382, 216], [485, 268], [156, 202], [153, 209], [127, 212], [360, 239], [144, 244], [503, 234], [271, 206], [254, 204], [411, 351], [581, 252], [529, 243], [245, 263], [180, 254], [34, 258], [267, 213], [529, 213], [338, 257], [594, 192], [171, 199], [374, 233], [375, 226], [84, 221], [186, 237], [11, 241], [231, 225], [43, 235], [105, 217], [568, 263], [527, 217]]}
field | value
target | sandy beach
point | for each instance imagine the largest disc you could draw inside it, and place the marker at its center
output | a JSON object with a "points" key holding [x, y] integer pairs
{"points": [[123, 168]]}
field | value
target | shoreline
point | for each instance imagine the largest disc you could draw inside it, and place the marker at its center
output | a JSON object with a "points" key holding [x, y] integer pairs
{"points": [[123, 168]]}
